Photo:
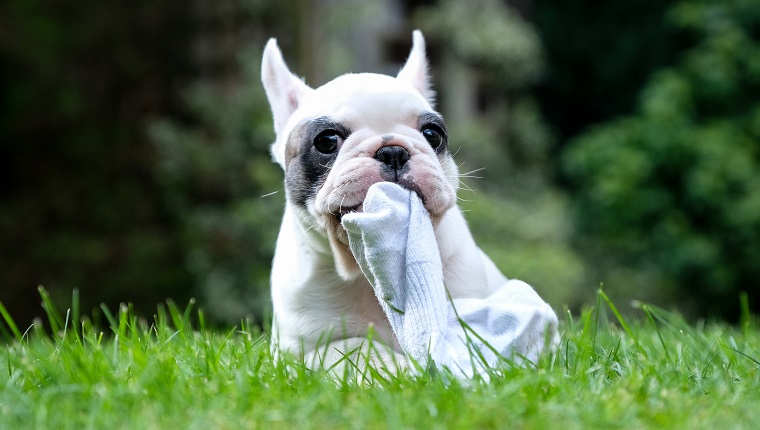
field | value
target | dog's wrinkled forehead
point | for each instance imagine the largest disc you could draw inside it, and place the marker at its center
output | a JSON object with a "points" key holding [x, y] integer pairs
{"points": [[365, 97], [355, 101]]}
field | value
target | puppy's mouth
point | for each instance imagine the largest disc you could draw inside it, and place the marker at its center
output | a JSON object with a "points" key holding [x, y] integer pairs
{"points": [[348, 209], [343, 210]]}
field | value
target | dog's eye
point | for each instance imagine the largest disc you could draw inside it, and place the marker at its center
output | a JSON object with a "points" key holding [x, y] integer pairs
{"points": [[327, 141], [433, 134]]}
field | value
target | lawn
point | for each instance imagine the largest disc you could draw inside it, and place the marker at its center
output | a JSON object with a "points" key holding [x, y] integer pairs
{"points": [[172, 372]]}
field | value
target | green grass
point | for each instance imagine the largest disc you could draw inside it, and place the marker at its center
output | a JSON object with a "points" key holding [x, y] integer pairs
{"points": [[659, 372]]}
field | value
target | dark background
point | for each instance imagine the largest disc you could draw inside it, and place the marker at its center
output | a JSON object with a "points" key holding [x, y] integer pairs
{"points": [[620, 141]]}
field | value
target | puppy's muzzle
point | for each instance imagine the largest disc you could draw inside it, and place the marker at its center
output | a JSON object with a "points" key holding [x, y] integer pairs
{"points": [[394, 160]]}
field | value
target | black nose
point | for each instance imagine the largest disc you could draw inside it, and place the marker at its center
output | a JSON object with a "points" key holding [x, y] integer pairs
{"points": [[392, 156]]}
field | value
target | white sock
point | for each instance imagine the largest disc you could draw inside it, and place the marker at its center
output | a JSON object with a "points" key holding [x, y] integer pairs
{"points": [[393, 241]]}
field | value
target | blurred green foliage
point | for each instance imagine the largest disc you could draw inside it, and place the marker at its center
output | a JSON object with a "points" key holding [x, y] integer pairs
{"points": [[78, 203], [673, 191], [219, 179], [598, 55], [496, 37]]}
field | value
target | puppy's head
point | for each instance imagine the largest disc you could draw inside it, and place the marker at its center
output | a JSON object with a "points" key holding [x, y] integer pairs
{"points": [[335, 141]]}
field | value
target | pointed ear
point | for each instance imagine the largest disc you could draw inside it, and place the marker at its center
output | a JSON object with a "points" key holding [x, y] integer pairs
{"points": [[415, 71], [284, 89]]}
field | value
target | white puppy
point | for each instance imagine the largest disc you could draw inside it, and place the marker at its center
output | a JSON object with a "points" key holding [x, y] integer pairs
{"points": [[333, 143]]}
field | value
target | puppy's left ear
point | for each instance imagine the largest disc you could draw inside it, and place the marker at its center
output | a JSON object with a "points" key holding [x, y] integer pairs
{"points": [[415, 71], [284, 89]]}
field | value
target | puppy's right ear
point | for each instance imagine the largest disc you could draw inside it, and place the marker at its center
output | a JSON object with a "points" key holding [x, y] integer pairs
{"points": [[284, 89], [415, 71]]}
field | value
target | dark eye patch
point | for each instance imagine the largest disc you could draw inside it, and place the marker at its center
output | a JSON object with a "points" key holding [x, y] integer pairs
{"points": [[309, 165]]}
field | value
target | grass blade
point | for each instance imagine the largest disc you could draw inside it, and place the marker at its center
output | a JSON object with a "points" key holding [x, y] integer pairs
{"points": [[9, 322], [648, 311], [75, 321], [112, 323], [746, 315], [622, 321], [54, 317]]}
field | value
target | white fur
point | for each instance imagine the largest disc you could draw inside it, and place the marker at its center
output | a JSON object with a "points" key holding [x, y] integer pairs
{"points": [[317, 292]]}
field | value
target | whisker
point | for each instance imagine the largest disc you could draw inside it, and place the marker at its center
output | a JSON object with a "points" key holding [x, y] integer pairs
{"points": [[465, 187], [473, 171], [272, 193]]}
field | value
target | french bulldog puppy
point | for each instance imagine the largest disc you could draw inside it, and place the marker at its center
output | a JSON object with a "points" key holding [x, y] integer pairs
{"points": [[333, 143]]}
